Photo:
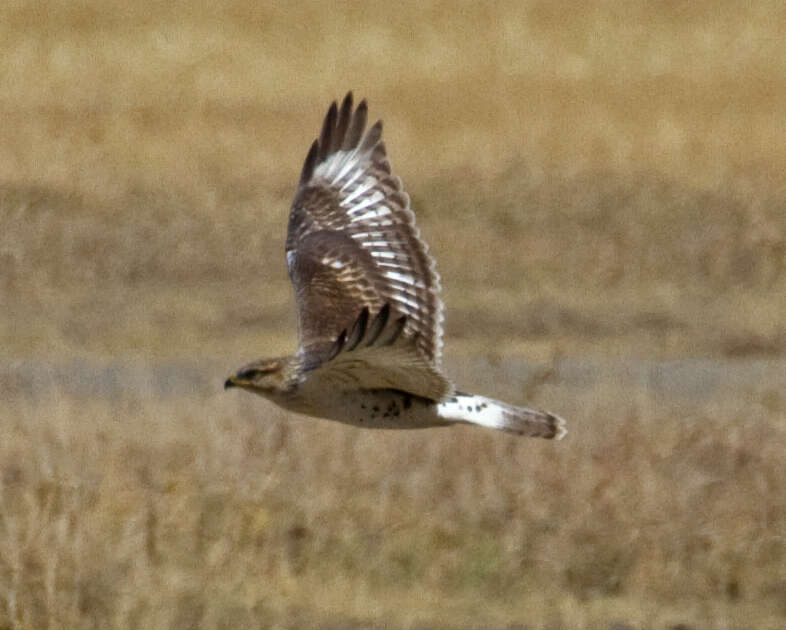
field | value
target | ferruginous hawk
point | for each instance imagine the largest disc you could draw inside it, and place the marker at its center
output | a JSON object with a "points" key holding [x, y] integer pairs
{"points": [[368, 305]]}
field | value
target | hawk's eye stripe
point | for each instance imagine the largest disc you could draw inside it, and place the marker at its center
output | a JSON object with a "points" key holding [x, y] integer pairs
{"points": [[248, 375]]}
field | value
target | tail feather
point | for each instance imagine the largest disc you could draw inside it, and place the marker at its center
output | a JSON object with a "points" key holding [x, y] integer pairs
{"points": [[494, 414]]}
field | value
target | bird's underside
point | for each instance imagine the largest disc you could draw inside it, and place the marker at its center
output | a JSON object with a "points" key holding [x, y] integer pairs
{"points": [[367, 295]]}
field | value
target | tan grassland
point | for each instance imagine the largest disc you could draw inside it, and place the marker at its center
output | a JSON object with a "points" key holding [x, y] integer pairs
{"points": [[603, 184]]}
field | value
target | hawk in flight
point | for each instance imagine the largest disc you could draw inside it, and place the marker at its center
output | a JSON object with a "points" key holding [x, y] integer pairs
{"points": [[368, 305]]}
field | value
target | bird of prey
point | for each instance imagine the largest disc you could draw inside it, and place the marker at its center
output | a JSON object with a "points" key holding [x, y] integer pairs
{"points": [[368, 305]]}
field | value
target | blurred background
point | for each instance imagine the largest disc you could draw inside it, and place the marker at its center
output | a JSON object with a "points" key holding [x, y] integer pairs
{"points": [[602, 185]]}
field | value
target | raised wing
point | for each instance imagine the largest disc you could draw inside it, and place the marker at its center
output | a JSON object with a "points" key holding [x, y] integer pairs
{"points": [[352, 242]]}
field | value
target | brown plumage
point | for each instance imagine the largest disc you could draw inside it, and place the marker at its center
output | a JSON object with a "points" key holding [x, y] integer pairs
{"points": [[367, 294]]}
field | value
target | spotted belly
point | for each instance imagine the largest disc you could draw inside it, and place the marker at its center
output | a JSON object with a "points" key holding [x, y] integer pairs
{"points": [[380, 409]]}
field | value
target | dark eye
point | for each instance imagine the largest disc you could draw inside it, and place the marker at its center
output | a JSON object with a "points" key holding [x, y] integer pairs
{"points": [[249, 375]]}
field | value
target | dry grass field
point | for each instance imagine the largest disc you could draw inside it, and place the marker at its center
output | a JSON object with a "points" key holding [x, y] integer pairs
{"points": [[604, 188]]}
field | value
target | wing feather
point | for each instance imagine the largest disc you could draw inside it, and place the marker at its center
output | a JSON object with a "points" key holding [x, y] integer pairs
{"points": [[378, 355], [353, 247]]}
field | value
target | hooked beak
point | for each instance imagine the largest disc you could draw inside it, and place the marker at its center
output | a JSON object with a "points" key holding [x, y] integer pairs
{"points": [[236, 381]]}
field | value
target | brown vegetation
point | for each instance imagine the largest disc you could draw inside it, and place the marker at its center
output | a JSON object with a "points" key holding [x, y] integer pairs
{"points": [[598, 184]]}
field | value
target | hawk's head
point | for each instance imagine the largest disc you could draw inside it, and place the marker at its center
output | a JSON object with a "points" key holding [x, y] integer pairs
{"points": [[267, 377]]}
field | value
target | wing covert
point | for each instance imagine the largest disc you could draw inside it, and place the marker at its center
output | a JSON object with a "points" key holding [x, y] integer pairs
{"points": [[375, 353]]}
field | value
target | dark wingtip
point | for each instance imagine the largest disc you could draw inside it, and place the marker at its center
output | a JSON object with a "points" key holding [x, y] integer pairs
{"points": [[372, 137], [229, 383], [342, 124], [355, 127], [342, 128], [346, 104], [328, 131], [310, 163]]}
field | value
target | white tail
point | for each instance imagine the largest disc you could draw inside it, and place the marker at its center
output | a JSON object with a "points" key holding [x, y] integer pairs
{"points": [[487, 412]]}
